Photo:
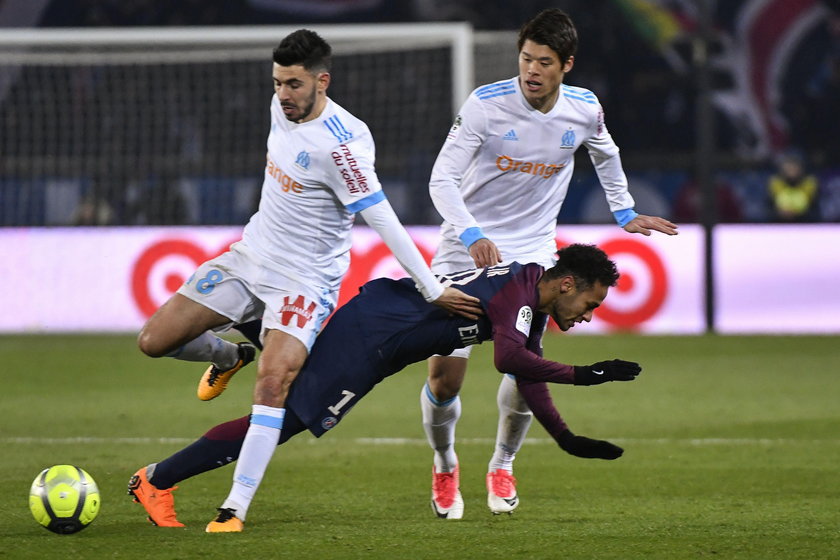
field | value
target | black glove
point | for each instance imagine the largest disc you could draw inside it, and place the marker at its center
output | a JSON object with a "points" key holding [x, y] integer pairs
{"points": [[610, 370], [581, 446]]}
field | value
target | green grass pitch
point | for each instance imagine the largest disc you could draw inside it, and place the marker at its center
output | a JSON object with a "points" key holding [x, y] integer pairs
{"points": [[732, 450]]}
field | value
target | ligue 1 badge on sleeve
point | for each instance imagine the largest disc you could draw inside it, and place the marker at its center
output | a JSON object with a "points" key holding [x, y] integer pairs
{"points": [[455, 126]]}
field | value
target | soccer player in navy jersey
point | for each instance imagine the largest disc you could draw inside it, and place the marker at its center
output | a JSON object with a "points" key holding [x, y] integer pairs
{"points": [[389, 325]]}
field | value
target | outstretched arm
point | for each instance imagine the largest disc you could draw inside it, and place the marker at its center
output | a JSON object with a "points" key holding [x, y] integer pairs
{"points": [[646, 224], [381, 217], [538, 398]]}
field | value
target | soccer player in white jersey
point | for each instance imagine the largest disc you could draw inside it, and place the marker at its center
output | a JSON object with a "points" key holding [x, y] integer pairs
{"points": [[499, 182], [288, 267]]}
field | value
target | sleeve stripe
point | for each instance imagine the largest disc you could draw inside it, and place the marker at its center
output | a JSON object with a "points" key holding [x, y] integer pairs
{"points": [[471, 235], [366, 202], [494, 87], [624, 217], [337, 129]]}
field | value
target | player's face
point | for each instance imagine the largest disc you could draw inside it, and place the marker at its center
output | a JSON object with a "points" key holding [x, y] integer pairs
{"points": [[540, 74], [302, 94], [574, 306]]}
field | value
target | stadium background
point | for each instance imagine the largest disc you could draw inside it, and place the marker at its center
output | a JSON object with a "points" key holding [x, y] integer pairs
{"points": [[182, 143], [731, 441], [96, 137]]}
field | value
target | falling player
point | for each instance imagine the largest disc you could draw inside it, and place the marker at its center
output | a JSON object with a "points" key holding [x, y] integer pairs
{"points": [[388, 326]]}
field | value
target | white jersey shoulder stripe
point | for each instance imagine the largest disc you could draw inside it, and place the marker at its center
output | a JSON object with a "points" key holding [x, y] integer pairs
{"points": [[335, 126], [494, 90], [579, 94], [578, 91]]}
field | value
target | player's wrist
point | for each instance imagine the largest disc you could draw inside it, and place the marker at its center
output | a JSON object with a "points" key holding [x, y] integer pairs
{"points": [[471, 235], [624, 217]]}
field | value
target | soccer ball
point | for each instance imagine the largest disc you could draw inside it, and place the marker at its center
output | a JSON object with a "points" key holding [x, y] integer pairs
{"points": [[64, 499]]}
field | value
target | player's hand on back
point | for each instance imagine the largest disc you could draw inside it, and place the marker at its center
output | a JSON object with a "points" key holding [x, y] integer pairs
{"points": [[457, 302], [646, 224], [485, 253]]}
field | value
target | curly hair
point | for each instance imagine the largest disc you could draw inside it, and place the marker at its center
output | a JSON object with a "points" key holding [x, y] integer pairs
{"points": [[587, 264]]}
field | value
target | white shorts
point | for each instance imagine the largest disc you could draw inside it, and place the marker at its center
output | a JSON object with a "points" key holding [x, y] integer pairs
{"points": [[448, 262], [236, 286]]}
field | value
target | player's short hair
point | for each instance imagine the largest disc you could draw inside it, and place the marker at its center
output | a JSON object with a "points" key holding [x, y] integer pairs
{"points": [[554, 29], [305, 48], [588, 265]]}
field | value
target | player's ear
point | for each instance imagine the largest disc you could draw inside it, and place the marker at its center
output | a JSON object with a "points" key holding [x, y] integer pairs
{"points": [[567, 284], [568, 65], [323, 81]]}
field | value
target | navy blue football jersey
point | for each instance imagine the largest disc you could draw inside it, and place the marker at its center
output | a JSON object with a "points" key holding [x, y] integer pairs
{"points": [[389, 325]]}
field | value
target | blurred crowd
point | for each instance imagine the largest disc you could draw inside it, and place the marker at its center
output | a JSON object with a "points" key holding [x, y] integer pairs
{"points": [[641, 69]]}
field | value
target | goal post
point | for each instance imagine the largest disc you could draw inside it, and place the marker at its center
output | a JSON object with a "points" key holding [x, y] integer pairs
{"points": [[168, 125]]}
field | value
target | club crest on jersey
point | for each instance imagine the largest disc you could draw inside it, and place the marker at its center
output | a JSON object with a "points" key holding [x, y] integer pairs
{"points": [[329, 422], [298, 310], [568, 140], [524, 319], [303, 159], [455, 126]]}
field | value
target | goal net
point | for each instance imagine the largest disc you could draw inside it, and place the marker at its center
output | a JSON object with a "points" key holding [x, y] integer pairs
{"points": [[168, 126]]}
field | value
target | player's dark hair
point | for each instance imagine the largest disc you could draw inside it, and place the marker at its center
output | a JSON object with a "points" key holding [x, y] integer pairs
{"points": [[554, 29], [305, 48], [587, 264]]}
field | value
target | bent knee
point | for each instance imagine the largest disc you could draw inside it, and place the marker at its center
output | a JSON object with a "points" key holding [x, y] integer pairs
{"points": [[150, 345]]}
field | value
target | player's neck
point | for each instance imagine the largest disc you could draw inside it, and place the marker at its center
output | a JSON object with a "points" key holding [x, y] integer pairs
{"points": [[544, 104]]}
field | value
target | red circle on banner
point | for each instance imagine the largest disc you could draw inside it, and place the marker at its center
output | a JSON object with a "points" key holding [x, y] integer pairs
{"points": [[658, 285], [141, 274], [363, 264]]}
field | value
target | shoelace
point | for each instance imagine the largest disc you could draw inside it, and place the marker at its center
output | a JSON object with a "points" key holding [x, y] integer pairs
{"points": [[225, 514], [502, 484], [444, 487]]}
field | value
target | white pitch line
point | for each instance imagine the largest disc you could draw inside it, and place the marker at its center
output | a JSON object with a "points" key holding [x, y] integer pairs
{"points": [[419, 441]]}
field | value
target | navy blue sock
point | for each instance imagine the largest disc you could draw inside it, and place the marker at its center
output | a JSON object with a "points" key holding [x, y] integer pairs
{"points": [[217, 448]]}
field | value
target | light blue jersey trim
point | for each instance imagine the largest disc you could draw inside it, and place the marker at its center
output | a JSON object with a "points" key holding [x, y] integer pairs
{"points": [[471, 235], [335, 126], [495, 90], [580, 94], [366, 202], [624, 217], [434, 401], [267, 421], [327, 307]]}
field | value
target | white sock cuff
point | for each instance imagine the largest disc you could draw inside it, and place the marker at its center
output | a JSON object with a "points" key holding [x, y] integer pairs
{"points": [[268, 416], [431, 397]]}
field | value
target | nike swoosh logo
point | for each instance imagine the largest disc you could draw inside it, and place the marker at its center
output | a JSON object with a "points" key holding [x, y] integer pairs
{"points": [[511, 501], [598, 372]]}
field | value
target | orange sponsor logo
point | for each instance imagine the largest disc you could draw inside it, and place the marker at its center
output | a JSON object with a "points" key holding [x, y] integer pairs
{"points": [[544, 170], [286, 183]]}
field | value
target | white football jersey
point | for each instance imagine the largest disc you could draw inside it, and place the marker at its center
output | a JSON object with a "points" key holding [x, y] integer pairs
{"points": [[318, 175], [505, 167]]}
